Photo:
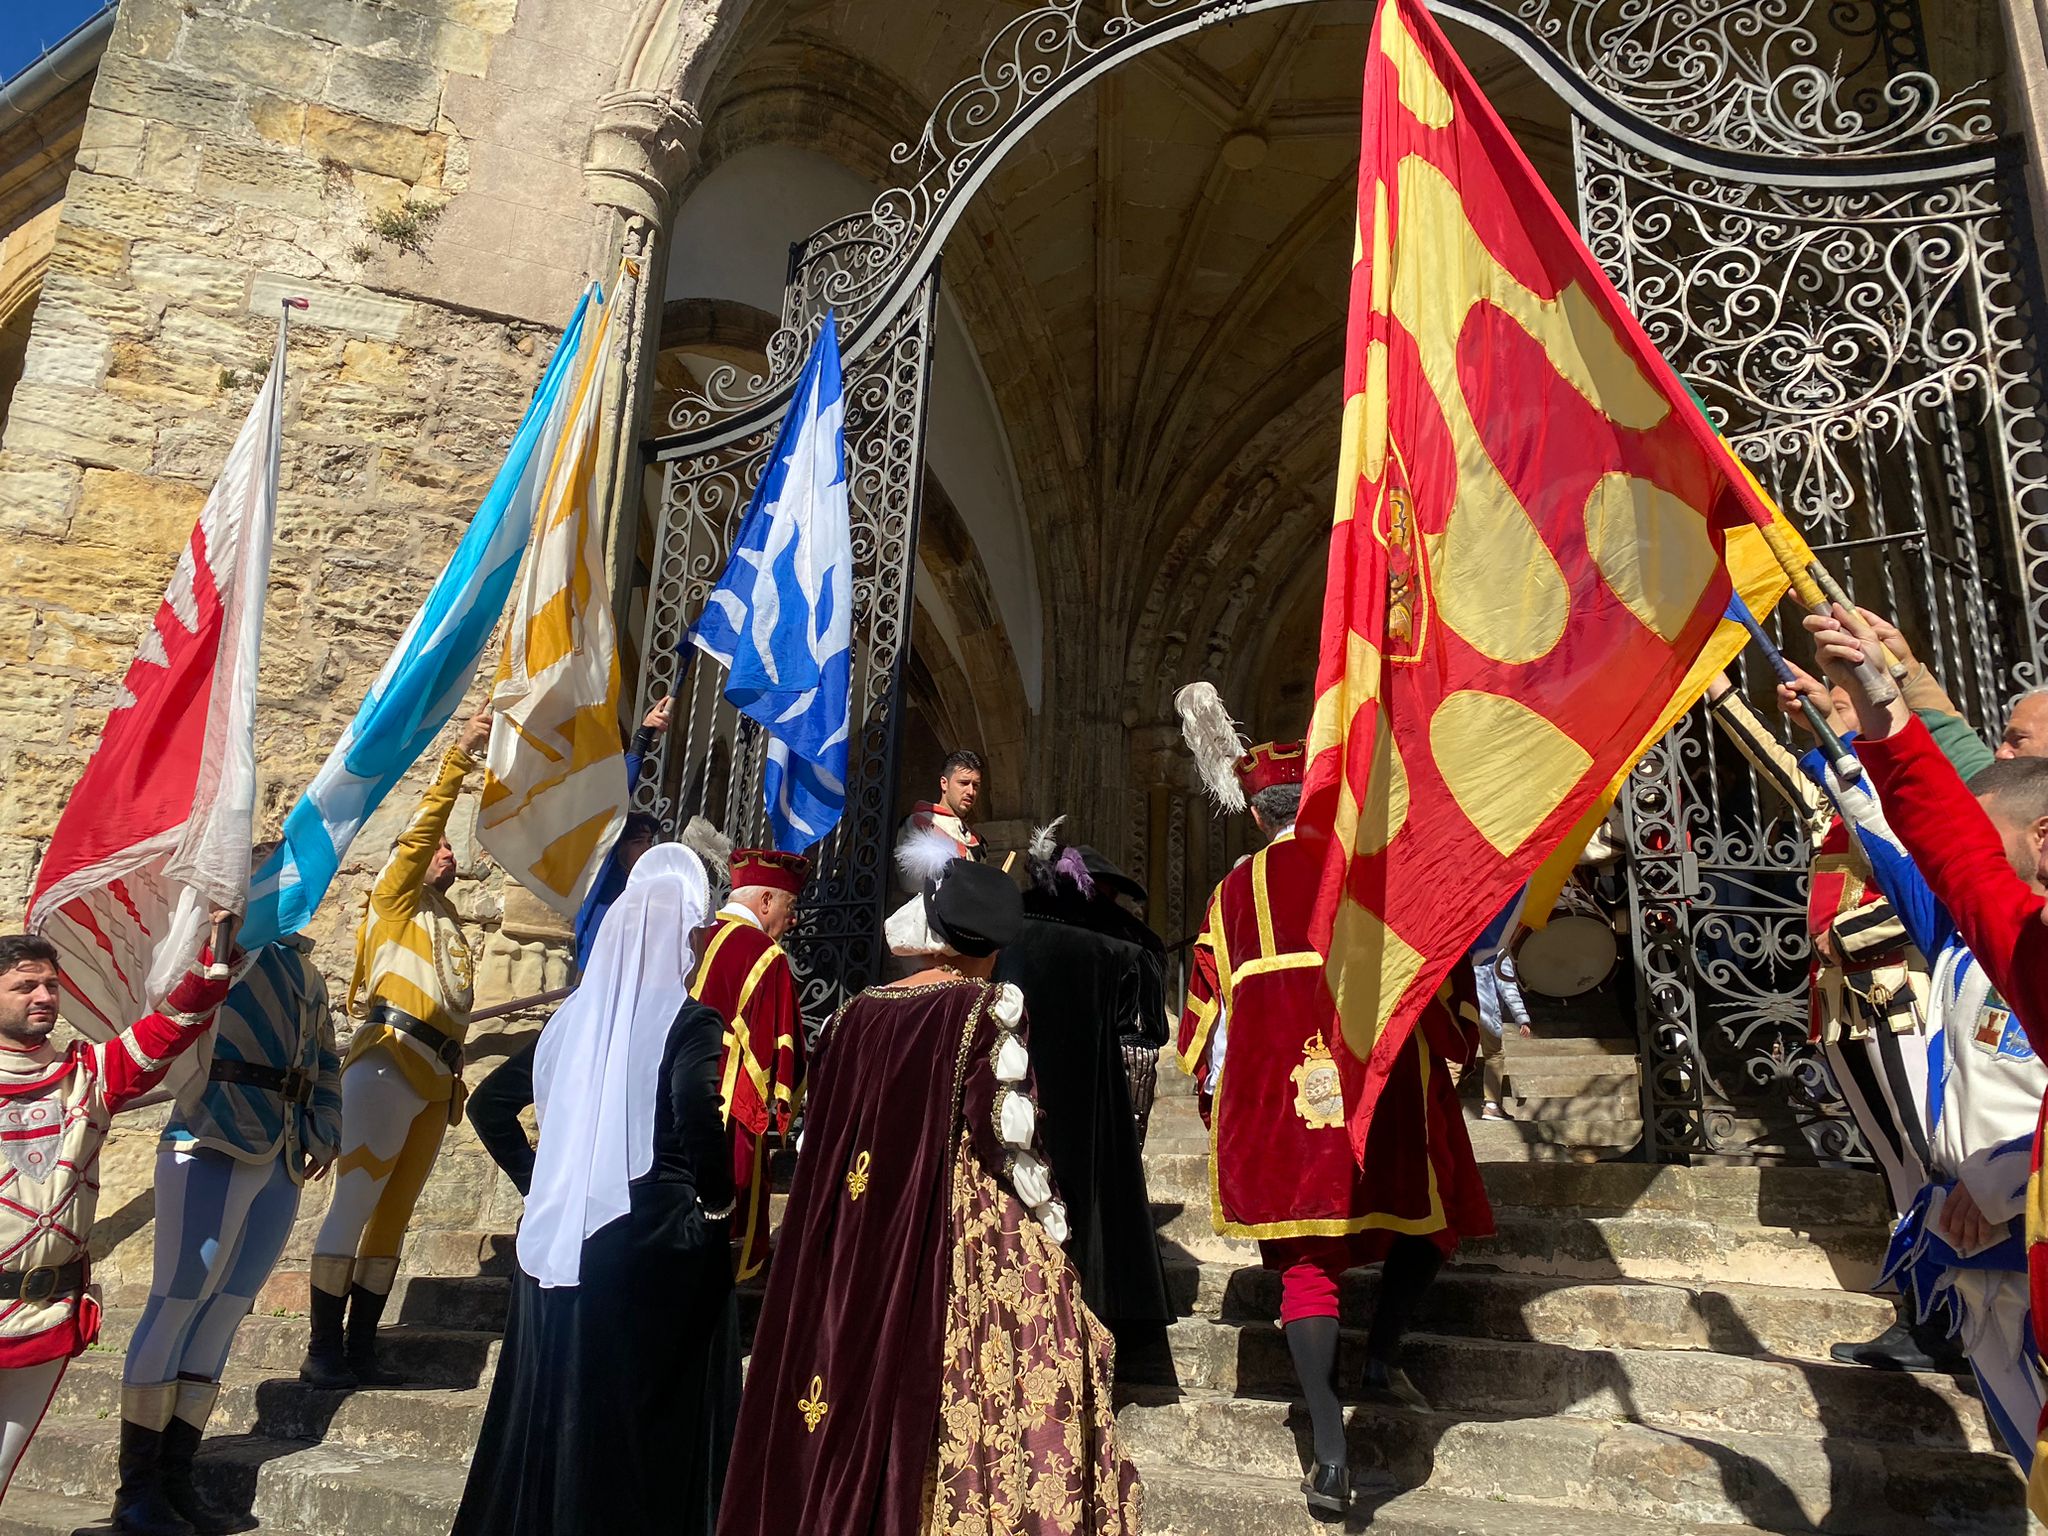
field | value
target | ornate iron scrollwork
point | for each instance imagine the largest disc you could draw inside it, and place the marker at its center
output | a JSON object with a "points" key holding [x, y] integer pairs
{"points": [[1828, 250]]}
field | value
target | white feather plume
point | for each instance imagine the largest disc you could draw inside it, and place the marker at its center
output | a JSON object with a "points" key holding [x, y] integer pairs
{"points": [[1045, 842], [1212, 736], [923, 855], [710, 845]]}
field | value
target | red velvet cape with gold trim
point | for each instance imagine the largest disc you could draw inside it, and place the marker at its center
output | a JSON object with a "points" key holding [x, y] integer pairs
{"points": [[1280, 1159]]}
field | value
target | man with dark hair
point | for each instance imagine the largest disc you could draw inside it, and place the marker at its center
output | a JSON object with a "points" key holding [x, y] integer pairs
{"points": [[56, 1105], [1257, 1036], [1967, 880], [264, 1118], [960, 789]]}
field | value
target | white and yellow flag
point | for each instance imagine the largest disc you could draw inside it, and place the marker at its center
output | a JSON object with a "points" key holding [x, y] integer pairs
{"points": [[555, 776]]}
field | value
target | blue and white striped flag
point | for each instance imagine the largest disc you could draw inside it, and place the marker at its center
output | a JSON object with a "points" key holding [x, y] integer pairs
{"points": [[426, 676], [781, 617]]}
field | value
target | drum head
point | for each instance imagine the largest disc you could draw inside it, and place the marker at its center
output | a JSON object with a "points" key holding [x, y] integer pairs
{"points": [[1568, 958]]}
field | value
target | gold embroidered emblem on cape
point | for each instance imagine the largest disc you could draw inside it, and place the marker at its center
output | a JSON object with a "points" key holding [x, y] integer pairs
{"points": [[1318, 1094], [857, 1178], [814, 1408]]}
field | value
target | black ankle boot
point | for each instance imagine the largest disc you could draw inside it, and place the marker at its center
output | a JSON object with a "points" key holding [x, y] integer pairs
{"points": [[1328, 1488], [140, 1507], [365, 1312], [1917, 1347], [180, 1446], [1387, 1384], [326, 1363]]}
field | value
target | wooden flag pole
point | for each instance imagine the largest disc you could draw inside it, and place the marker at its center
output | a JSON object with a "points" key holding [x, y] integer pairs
{"points": [[1862, 631], [1806, 586], [1840, 758]]}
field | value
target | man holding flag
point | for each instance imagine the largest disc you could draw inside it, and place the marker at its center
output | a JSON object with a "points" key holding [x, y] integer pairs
{"points": [[1527, 560], [1256, 1036], [402, 1083], [154, 845]]}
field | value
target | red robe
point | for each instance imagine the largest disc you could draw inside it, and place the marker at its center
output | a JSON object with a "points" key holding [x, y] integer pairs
{"points": [[746, 976], [1962, 857], [1280, 1162]]}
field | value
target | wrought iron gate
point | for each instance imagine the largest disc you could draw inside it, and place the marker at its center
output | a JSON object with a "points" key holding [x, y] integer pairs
{"points": [[1830, 252]]}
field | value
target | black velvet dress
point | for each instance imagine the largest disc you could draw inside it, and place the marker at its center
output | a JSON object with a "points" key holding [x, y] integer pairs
{"points": [[1089, 982], [613, 1406]]}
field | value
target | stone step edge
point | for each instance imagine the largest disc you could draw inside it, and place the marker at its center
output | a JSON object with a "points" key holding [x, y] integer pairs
{"points": [[36, 1512], [1174, 1489]]}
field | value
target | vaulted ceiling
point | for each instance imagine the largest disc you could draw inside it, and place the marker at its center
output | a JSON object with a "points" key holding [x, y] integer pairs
{"points": [[1156, 282]]}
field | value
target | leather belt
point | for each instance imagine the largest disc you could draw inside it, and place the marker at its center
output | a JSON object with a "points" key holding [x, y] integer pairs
{"points": [[294, 1085], [46, 1282], [444, 1046]]}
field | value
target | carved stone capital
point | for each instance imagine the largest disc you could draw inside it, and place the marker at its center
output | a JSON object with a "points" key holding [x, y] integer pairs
{"points": [[639, 151]]}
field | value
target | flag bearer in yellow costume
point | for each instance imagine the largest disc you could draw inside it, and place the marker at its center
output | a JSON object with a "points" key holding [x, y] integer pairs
{"points": [[745, 975], [401, 1086]]}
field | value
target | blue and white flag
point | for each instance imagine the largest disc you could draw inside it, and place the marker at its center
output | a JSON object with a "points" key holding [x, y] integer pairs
{"points": [[427, 674], [781, 617]]}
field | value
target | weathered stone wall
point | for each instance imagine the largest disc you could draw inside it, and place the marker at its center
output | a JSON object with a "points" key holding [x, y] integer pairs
{"points": [[416, 168]]}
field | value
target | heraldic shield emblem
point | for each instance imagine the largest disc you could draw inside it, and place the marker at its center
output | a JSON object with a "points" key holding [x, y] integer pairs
{"points": [[29, 1140], [1318, 1093]]}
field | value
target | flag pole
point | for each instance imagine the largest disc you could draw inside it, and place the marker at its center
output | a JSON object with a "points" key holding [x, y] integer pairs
{"points": [[223, 937], [1840, 758], [1809, 581]]}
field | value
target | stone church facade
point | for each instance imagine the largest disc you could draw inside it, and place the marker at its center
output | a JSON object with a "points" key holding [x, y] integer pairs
{"points": [[1132, 434]]}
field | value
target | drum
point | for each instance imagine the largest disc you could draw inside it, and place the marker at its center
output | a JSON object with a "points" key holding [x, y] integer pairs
{"points": [[1572, 954]]}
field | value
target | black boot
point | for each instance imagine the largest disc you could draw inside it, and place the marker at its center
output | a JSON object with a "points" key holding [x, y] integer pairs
{"points": [[326, 1362], [1328, 1488], [1411, 1264], [365, 1312], [1917, 1347], [181, 1445], [140, 1507]]}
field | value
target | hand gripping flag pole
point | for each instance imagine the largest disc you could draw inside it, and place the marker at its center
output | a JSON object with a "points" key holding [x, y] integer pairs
{"points": [[1840, 758]]}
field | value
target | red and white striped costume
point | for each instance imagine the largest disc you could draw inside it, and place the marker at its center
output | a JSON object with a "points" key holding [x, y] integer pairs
{"points": [[55, 1107]]}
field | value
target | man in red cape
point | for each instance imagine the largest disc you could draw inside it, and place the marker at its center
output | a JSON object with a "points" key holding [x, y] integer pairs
{"points": [[1281, 1168]]}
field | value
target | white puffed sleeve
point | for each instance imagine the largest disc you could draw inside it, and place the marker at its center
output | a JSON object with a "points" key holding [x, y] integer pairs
{"points": [[1007, 1005], [1034, 1183], [1016, 1120], [1012, 1060], [1053, 1217]]}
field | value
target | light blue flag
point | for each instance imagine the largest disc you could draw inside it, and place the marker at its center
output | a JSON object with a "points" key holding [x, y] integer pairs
{"points": [[425, 677], [781, 617]]}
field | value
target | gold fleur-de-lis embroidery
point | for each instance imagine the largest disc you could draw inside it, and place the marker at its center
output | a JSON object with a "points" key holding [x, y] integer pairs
{"points": [[814, 1407], [857, 1178]]}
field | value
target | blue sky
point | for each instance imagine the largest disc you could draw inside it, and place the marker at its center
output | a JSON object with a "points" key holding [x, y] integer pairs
{"points": [[28, 26]]}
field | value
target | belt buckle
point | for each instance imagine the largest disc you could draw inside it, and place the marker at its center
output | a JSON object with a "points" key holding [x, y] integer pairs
{"points": [[40, 1284], [294, 1087]]}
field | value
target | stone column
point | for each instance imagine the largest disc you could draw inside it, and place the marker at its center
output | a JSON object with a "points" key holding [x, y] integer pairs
{"points": [[639, 152], [2026, 41]]}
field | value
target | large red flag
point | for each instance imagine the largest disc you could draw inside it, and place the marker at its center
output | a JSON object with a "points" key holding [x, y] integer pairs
{"points": [[156, 832], [1526, 557]]}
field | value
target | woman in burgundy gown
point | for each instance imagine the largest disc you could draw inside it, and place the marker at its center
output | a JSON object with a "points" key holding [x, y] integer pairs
{"points": [[924, 1362]]}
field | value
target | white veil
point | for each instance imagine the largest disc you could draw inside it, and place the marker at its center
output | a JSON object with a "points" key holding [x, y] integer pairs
{"points": [[597, 1071]]}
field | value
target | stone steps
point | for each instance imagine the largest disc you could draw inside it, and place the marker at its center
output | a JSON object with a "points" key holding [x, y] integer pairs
{"points": [[1731, 1319], [1638, 1247], [1781, 1482], [334, 1489], [1189, 1501], [1686, 1391]]}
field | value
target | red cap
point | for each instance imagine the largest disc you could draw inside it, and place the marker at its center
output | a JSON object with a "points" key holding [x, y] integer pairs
{"points": [[766, 866], [1271, 763]]}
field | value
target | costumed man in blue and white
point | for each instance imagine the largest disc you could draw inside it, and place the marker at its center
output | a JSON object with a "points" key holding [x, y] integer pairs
{"points": [[254, 1123], [1958, 1255]]}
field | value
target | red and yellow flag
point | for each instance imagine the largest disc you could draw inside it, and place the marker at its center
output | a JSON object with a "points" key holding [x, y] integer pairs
{"points": [[1527, 554]]}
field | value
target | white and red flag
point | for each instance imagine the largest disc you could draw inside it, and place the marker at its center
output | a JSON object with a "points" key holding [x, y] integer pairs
{"points": [[157, 830]]}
